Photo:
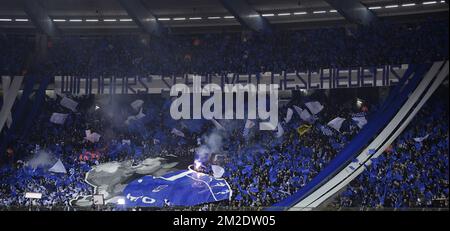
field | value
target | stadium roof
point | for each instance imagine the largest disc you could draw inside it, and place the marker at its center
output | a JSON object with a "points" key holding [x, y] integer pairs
{"points": [[85, 15]]}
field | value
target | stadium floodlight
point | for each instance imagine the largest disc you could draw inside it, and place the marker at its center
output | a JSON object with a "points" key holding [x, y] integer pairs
{"points": [[374, 7], [75, 20], [319, 12], [391, 6], [21, 20], [163, 19], [125, 20], [284, 14], [429, 3], [195, 18], [300, 13], [5, 20], [409, 4], [120, 201], [59, 20], [91, 20], [109, 20], [268, 15], [179, 19], [228, 17], [214, 17]]}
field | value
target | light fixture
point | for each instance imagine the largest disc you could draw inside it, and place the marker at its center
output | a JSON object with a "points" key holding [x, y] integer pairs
{"points": [[228, 17], [91, 20], [125, 20], [319, 12], [5, 20], [333, 11], [59, 20], [283, 14], [374, 7], [75, 20], [391, 6], [195, 18], [268, 15], [163, 19], [429, 3], [214, 17], [300, 13], [179, 19], [409, 4], [109, 20], [21, 20]]}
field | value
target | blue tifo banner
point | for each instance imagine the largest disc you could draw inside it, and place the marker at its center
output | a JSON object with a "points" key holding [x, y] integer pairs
{"points": [[179, 188]]}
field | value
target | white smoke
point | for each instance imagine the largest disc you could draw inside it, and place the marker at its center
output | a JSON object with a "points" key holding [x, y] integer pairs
{"points": [[212, 144], [41, 159]]}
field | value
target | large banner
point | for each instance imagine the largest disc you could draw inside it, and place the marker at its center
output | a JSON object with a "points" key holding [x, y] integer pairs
{"points": [[179, 188], [325, 78]]}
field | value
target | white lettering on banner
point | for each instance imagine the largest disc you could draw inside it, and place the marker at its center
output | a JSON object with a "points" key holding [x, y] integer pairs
{"points": [[148, 200], [325, 78]]}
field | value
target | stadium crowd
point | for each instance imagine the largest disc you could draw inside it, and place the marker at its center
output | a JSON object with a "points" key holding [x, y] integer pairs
{"points": [[262, 168], [131, 55], [413, 172]]}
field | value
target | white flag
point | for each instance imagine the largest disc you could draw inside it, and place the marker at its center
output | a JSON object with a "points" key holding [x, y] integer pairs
{"points": [[314, 107], [326, 131], [360, 121], [280, 131], [298, 110], [217, 171], [289, 114], [58, 118], [137, 104], [217, 124], [177, 132], [93, 137], [420, 139], [336, 123], [69, 103], [306, 116], [58, 167]]}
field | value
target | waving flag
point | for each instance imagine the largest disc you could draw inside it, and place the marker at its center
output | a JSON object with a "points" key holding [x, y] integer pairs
{"points": [[336, 123], [289, 114], [92, 137], [137, 104], [58, 167], [314, 107], [177, 132], [360, 121], [180, 188], [303, 129], [326, 131], [58, 118], [69, 103], [420, 139], [304, 114]]}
